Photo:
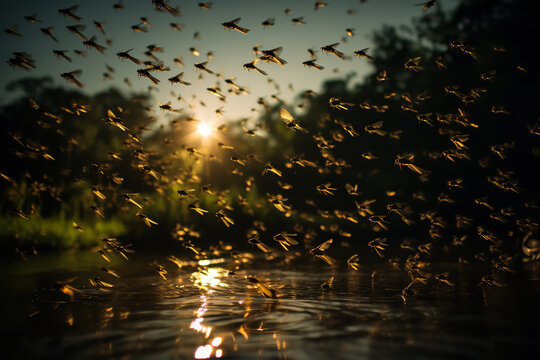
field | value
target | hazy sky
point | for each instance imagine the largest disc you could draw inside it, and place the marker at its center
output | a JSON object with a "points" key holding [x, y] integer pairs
{"points": [[231, 48]]}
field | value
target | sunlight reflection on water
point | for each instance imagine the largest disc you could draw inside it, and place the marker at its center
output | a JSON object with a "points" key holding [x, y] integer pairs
{"points": [[210, 312], [205, 279]]}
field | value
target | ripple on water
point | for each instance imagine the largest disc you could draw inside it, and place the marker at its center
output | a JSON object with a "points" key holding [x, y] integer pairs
{"points": [[145, 316]]}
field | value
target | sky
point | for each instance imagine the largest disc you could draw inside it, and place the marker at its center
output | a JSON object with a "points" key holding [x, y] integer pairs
{"points": [[231, 48]]}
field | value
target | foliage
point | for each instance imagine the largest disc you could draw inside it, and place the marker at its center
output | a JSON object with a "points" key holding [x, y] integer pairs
{"points": [[448, 75]]}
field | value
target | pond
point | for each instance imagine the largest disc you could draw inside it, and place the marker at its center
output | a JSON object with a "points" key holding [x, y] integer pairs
{"points": [[209, 309]]}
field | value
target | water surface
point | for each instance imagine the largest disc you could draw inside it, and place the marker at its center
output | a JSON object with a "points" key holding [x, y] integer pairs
{"points": [[203, 311]]}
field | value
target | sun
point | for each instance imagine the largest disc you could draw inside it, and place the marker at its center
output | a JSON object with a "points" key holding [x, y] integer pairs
{"points": [[204, 130]]}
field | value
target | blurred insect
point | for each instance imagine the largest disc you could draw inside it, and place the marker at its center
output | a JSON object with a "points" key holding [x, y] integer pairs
{"points": [[48, 32], [197, 209], [175, 261], [326, 189], [12, 31], [279, 202], [375, 128], [255, 240], [177, 79], [364, 208], [127, 197], [93, 44], [268, 22], [62, 54], [353, 262], [262, 288], [251, 66], [455, 183], [110, 272], [328, 284], [336, 103], [486, 234], [382, 76], [319, 4], [77, 227], [114, 120], [407, 161], [269, 168], [427, 5], [168, 107], [530, 247], [362, 53], [65, 288], [489, 280], [329, 49], [100, 26], [118, 5], [459, 141], [159, 269], [484, 202], [202, 67], [349, 129], [413, 64], [285, 240], [32, 18], [72, 78], [272, 55], [100, 284], [534, 129], [139, 28], [380, 221], [114, 245], [145, 219], [378, 245], [146, 74], [162, 4], [311, 64], [288, 119], [224, 218], [413, 288], [441, 63], [320, 252], [125, 55], [233, 26], [76, 29], [70, 12], [205, 6], [104, 255], [22, 60]]}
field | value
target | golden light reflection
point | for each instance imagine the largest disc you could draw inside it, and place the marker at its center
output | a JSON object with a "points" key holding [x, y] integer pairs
{"points": [[205, 279], [206, 262], [208, 277], [203, 352], [217, 341], [196, 324]]}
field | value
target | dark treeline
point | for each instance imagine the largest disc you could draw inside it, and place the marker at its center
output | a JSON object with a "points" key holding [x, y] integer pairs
{"points": [[451, 171]]}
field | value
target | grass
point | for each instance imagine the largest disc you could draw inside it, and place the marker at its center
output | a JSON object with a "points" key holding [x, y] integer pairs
{"points": [[56, 232]]}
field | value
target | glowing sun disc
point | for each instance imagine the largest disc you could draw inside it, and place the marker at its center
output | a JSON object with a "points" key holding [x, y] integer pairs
{"points": [[204, 129]]}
